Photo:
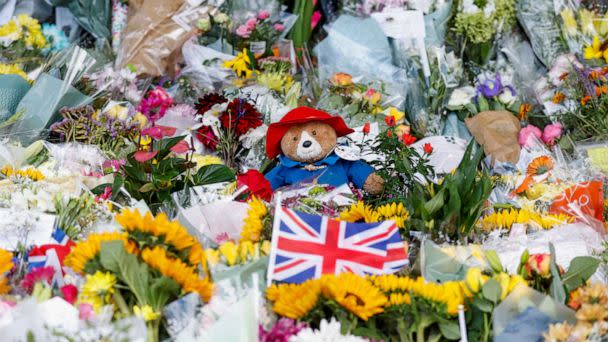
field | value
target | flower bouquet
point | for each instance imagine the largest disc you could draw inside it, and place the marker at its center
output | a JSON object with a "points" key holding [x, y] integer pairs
{"points": [[258, 34]]}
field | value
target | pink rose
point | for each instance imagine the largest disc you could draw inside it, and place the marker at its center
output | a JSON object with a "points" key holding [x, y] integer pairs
{"points": [[251, 23], [243, 32], [264, 14], [279, 27], [314, 20], [552, 133], [528, 135], [86, 311]]}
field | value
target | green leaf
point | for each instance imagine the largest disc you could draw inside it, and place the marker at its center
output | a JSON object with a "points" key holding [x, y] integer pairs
{"points": [[450, 330], [127, 268], [494, 261], [163, 290], [147, 187], [483, 304], [118, 183], [580, 270], [435, 203], [483, 103], [492, 290], [214, 173], [557, 287]]}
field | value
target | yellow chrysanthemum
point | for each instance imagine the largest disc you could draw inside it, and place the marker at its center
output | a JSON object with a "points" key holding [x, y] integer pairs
{"points": [[11, 31], [360, 212], [88, 249], [186, 276], [34, 36], [13, 69], [240, 65], [172, 232], [254, 222], [355, 293], [97, 289], [294, 300], [204, 160], [395, 212]]}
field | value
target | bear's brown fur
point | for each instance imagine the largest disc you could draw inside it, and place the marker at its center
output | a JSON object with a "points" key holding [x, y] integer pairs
{"points": [[323, 141]]}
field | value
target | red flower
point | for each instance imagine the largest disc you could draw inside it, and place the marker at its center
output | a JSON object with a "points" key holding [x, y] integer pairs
{"points": [[241, 116], [390, 120], [180, 147], [70, 293], [158, 132], [37, 275], [256, 182], [428, 148], [366, 128], [144, 156], [206, 136], [408, 139], [206, 102], [107, 192]]}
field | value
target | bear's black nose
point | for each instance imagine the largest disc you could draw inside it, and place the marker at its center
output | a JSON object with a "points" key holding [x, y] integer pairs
{"points": [[307, 143]]}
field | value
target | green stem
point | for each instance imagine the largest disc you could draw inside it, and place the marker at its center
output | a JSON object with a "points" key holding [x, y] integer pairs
{"points": [[122, 305], [486, 328], [424, 323], [152, 330]]}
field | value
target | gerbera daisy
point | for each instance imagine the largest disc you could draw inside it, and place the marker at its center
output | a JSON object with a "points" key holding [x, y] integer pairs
{"points": [[355, 294], [360, 212], [538, 166]]}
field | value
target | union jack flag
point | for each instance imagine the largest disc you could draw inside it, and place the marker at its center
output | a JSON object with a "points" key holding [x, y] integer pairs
{"points": [[306, 246]]}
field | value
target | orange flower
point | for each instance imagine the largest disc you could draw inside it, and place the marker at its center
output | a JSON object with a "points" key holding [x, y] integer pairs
{"points": [[585, 99], [594, 75], [564, 76], [540, 165], [558, 98], [341, 79], [524, 109], [601, 90]]}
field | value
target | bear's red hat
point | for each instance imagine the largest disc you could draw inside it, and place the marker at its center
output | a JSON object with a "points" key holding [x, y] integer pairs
{"points": [[277, 130]]}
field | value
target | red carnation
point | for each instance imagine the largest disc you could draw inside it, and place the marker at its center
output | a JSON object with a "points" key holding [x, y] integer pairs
{"points": [[209, 100]]}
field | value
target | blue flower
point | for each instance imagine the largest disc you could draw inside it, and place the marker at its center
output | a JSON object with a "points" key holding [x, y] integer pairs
{"points": [[56, 38], [491, 88]]}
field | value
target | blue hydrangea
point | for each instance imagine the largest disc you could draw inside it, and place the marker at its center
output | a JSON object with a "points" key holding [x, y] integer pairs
{"points": [[56, 38]]}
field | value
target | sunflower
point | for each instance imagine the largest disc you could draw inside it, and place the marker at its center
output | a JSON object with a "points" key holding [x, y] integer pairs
{"points": [[395, 299], [171, 232], [88, 249], [356, 294], [185, 275], [505, 219], [395, 212], [294, 301], [360, 212], [254, 222]]}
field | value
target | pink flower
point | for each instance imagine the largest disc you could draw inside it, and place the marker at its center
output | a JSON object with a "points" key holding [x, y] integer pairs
{"points": [[264, 14], [180, 147], [243, 32], [156, 104], [314, 20], [153, 132], [144, 156], [70, 293], [552, 133], [251, 24], [107, 193], [539, 264], [37, 275], [279, 27], [114, 164], [86, 311], [528, 136]]}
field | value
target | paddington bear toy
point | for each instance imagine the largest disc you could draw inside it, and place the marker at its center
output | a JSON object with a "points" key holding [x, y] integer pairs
{"points": [[305, 139]]}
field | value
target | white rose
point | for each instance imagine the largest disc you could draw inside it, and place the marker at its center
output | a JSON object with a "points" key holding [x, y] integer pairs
{"points": [[461, 97], [506, 97]]}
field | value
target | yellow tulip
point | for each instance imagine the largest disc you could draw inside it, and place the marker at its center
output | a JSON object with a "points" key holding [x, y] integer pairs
{"points": [[229, 251], [473, 279]]}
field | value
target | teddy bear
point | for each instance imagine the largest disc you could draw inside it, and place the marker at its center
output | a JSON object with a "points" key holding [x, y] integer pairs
{"points": [[305, 140]]}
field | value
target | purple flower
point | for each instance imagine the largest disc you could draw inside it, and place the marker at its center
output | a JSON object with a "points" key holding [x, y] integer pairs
{"points": [[281, 331], [492, 88]]}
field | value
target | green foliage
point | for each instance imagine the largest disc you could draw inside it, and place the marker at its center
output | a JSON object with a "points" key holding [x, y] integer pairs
{"points": [[301, 31], [452, 208]]}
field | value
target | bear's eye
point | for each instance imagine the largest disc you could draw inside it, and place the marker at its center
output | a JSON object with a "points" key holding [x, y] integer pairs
{"points": [[295, 138], [314, 132]]}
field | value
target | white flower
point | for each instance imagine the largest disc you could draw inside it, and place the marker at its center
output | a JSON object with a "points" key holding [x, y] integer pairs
{"points": [[221, 18], [328, 332], [461, 97], [489, 9], [507, 97], [469, 7]]}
